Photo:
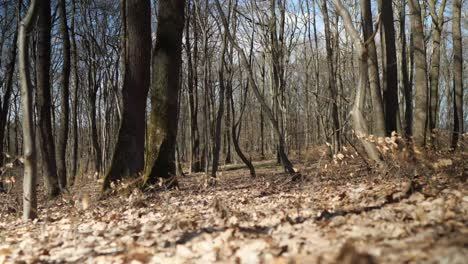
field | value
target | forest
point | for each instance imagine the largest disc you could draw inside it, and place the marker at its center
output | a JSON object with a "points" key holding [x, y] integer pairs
{"points": [[233, 131]]}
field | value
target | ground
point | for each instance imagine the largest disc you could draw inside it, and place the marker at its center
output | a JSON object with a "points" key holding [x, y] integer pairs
{"points": [[336, 212]]}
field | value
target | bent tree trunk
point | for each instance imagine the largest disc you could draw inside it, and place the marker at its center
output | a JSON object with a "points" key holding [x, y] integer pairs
{"points": [[165, 85], [373, 65], [359, 123], [29, 147], [128, 158], [283, 156]]}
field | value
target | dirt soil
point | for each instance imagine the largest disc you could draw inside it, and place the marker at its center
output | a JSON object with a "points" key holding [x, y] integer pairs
{"points": [[335, 212]]}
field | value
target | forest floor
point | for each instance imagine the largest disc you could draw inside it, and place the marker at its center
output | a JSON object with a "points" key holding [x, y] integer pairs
{"points": [[335, 213]]}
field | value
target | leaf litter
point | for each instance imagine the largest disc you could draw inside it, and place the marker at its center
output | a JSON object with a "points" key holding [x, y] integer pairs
{"points": [[332, 215]]}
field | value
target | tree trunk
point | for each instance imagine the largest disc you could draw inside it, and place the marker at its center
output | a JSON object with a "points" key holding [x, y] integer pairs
{"points": [[74, 158], [407, 87], [390, 72], [420, 75], [65, 94], [219, 117], [437, 26], [195, 164], [374, 80], [332, 81], [359, 123], [128, 157], [457, 73], [43, 99], [30, 164], [165, 85]]}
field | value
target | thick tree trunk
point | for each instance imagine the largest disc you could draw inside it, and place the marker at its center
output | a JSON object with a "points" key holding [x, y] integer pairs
{"points": [[128, 157], [457, 73], [30, 164], [43, 99], [374, 80], [420, 75], [390, 73], [65, 95], [160, 156]]}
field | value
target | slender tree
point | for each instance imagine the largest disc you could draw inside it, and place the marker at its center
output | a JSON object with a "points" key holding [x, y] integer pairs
{"points": [[457, 73], [29, 147], [65, 96], [374, 80], [437, 26], [420, 75]]}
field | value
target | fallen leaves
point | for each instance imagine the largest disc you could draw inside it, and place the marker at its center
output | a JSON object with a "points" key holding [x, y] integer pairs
{"points": [[354, 219]]}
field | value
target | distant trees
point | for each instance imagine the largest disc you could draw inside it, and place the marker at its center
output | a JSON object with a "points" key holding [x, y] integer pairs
{"points": [[265, 79]]}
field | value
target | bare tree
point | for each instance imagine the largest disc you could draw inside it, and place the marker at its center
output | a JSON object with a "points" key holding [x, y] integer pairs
{"points": [[43, 99], [65, 95], [245, 63], [165, 85], [437, 26], [30, 164], [359, 123], [420, 75], [457, 73], [128, 158], [374, 80]]}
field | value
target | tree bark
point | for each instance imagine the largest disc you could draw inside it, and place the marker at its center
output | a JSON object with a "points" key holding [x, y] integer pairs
{"points": [[374, 80], [128, 157], [457, 73], [420, 75], [30, 164], [407, 87], [65, 95], [219, 117], [74, 158], [359, 123], [437, 26], [332, 81], [43, 99], [390, 65], [165, 85]]}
